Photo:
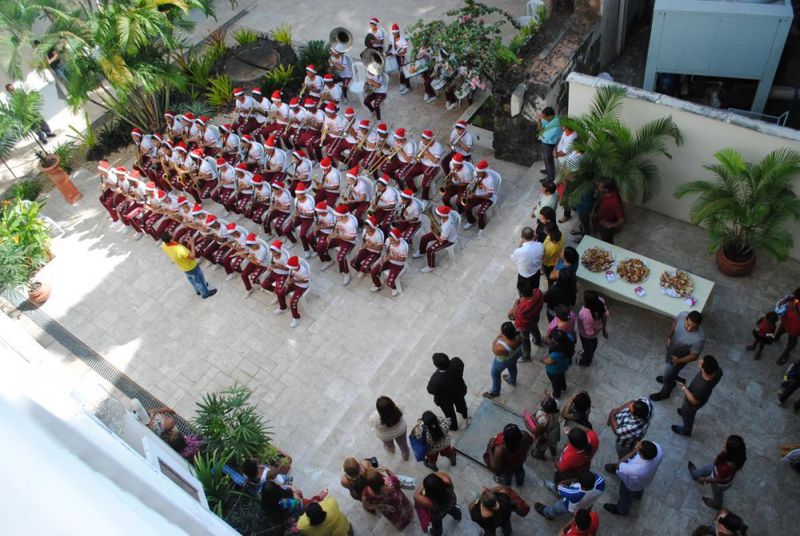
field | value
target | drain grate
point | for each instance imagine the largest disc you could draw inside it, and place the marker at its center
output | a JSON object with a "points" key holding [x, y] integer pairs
{"points": [[94, 360]]}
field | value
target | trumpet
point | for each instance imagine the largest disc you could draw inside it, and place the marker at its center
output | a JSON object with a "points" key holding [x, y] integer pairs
{"points": [[303, 89], [342, 135], [373, 204], [355, 150], [324, 135]]}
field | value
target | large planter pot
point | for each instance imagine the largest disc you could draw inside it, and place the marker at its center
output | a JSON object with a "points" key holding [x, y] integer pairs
{"points": [[733, 268], [39, 293], [61, 180]]}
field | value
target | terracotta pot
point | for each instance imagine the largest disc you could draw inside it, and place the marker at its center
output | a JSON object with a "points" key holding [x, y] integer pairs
{"points": [[733, 268], [39, 293], [61, 180]]}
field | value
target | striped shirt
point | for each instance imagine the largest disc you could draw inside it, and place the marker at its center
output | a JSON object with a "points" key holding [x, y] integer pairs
{"points": [[631, 429]]}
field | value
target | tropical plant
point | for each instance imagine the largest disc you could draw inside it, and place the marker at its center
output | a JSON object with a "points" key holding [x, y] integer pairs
{"points": [[86, 139], [21, 115], [198, 107], [197, 69], [216, 48], [527, 31], [316, 53], [16, 22], [208, 468], [28, 189], [611, 150], [220, 92], [24, 242], [282, 34], [245, 36], [110, 137], [277, 78], [66, 154], [228, 422], [746, 206]]}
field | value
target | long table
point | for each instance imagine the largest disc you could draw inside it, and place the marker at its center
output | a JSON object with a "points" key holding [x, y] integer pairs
{"points": [[654, 299]]}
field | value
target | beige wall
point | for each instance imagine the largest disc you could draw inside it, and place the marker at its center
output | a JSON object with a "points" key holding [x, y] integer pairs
{"points": [[705, 131]]}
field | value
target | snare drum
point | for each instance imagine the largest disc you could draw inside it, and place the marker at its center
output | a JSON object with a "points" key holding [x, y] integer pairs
{"points": [[415, 68], [438, 83]]}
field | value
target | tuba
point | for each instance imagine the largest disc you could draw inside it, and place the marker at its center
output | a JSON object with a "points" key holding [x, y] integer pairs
{"points": [[340, 39], [375, 64]]}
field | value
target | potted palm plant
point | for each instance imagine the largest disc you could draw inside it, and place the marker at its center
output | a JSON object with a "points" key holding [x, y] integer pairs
{"points": [[745, 207], [24, 248]]}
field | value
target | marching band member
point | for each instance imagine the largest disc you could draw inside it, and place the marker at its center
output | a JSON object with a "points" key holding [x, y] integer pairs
{"points": [[427, 165], [323, 227], [207, 175], [359, 194], [461, 141], [245, 106], [256, 257], [385, 201], [210, 137], [342, 66], [278, 116], [461, 174], [312, 84], [331, 181], [302, 170], [255, 152], [187, 173], [376, 41], [394, 260], [136, 197], [183, 123], [398, 47], [189, 220], [173, 207], [169, 119], [355, 142], [237, 237], [333, 128], [344, 236], [263, 106], [408, 222], [195, 134], [296, 284], [228, 188], [156, 203], [346, 138], [274, 161], [136, 138], [403, 157], [262, 194], [280, 210], [278, 267], [231, 144], [379, 82], [373, 148], [222, 235], [297, 117], [244, 187], [214, 227], [108, 190], [331, 92], [303, 218], [308, 139], [432, 242], [431, 70], [483, 197], [371, 247]]}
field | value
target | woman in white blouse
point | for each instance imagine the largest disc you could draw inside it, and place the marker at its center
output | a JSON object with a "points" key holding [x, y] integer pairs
{"points": [[389, 425]]}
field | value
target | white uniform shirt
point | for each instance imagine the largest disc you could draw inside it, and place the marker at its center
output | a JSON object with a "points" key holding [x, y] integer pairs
{"points": [[300, 276], [303, 169], [298, 115], [194, 131], [362, 189], [282, 201], [383, 81], [487, 185], [314, 85], [189, 163], [261, 253], [331, 180], [148, 145], [242, 108], [379, 34], [348, 229], [408, 151], [178, 128], [388, 198], [262, 194], [222, 231], [466, 174], [281, 111], [277, 159], [565, 145], [318, 119], [336, 125], [412, 211], [209, 165], [373, 140], [346, 70], [304, 209], [211, 137], [326, 222], [398, 253], [232, 143], [436, 150], [399, 47], [467, 141], [373, 242], [334, 92], [262, 110], [256, 152], [227, 176], [449, 231], [279, 263], [245, 183]]}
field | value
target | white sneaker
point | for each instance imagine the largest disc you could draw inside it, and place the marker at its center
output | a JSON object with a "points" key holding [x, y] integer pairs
{"points": [[124, 229], [326, 265], [404, 90], [279, 311], [428, 99], [274, 301], [417, 255], [480, 233], [395, 292], [374, 289], [360, 275], [290, 246], [308, 254], [294, 323], [115, 224], [426, 269], [451, 106], [137, 236], [346, 279], [467, 225], [230, 276]]}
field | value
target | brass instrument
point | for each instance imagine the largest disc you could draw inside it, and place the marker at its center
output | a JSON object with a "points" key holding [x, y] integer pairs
{"points": [[340, 39], [288, 125], [446, 182], [457, 140], [355, 150], [324, 135], [375, 64], [303, 89], [373, 204], [469, 191], [387, 157], [436, 227], [342, 135]]}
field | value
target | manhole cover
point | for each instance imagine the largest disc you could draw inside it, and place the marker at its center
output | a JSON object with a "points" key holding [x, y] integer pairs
{"points": [[252, 61]]}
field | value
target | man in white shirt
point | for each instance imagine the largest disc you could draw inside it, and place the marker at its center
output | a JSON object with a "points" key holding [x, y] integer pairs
{"points": [[256, 256], [278, 268], [331, 182], [427, 166], [274, 160], [244, 108], [279, 211], [403, 160], [483, 197], [376, 36], [461, 174], [431, 242], [323, 227], [407, 221], [296, 284], [344, 236], [371, 247], [342, 66], [380, 85], [386, 204], [231, 143], [313, 83], [528, 257], [635, 471], [226, 192], [303, 218], [359, 193], [398, 47], [262, 194], [461, 141], [394, 259], [207, 175], [331, 91], [278, 116]]}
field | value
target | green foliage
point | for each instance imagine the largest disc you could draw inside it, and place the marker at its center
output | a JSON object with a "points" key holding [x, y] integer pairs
{"points": [[216, 48], [316, 52], [198, 107], [245, 36], [747, 204], [21, 116], [282, 34], [28, 189], [16, 22], [24, 242], [88, 138], [197, 70], [277, 78], [110, 137], [505, 57], [610, 149], [217, 485], [66, 152], [220, 92], [228, 422], [529, 30]]}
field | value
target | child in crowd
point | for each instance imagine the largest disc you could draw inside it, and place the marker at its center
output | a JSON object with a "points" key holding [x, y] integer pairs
{"points": [[764, 333], [544, 425]]}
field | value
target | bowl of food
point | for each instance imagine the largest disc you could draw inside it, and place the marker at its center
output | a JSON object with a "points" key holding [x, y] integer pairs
{"points": [[633, 271], [676, 283], [597, 259]]}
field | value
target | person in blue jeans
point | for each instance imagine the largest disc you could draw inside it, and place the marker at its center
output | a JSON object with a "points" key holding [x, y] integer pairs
{"points": [[580, 493], [507, 349], [635, 471], [186, 259], [558, 360]]}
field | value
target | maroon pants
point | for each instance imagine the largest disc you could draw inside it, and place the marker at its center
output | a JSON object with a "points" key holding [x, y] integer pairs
{"points": [[251, 273], [482, 205], [272, 176], [337, 148], [211, 247], [132, 216], [275, 222], [392, 167], [233, 263], [448, 452], [225, 197], [108, 200], [384, 218], [329, 197], [453, 191], [358, 209], [373, 103], [321, 246], [257, 212], [275, 129], [429, 245], [364, 260], [296, 292], [369, 158], [220, 255], [150, 224], [341, 257], [246, 127], [408, 229], [379, 267], [273, 281], [304, 224], [354, 157], [206, 187], [166, 225], [242, 204]]}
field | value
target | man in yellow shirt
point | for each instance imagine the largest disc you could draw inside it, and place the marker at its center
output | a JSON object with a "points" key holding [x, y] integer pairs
{"points": [[186, 260], [324, 519]]}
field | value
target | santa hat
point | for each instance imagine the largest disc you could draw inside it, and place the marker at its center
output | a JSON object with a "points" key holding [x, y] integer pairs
{"points": [[300, 188], [157, 137], [364, 124], [197, 153], [278, 185], [121, 170], [294, 103], [271, 142], [201, 120], [169, 144], [443, 210], [325, 163], [352, 173], [256, 91], [210, 219], [231, 226], [276, 96], [188, 116], [181, 146], [226, 127], [248, 138], [458, 158], [330, 108], [251, 239], [349, 112], [221, 161], [482, 165], [150, 185], [400, 133], [160, 194], [427, 134], [294, 262], [181, 200], [382, 128], [299, 154], [396, 233], [328, 78], [384, 179], [238, 92], [309, 103], [372, 221], [395, 28], [341, 210], [169, 113], [322, 206], [407, 193], [196, 208], [276, 245], [461, 124], [136, 132], [374, 20], [311, 69], [257, 179], [241, 166]]}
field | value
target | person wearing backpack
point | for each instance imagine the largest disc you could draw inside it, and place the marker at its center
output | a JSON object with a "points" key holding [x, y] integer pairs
{"points": [[506, 453], [558, 360], [791, 381]]}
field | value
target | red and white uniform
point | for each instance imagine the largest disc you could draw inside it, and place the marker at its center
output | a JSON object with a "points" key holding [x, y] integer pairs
{"points": [[278, 268], [371, 248], [299, 279], [262, 195], [430, 243], [346, 233], [396, 254], [303, 218], [386, 205], [212, 138], [408, 220], [331, 183], [484, 196], [280, 210], [208, 176], [465, 145], [254, 270], [313, 84]]}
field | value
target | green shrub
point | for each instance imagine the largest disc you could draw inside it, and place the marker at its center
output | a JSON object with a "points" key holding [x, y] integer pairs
{"points": [[245, 36], [277, 78], [216, 47], [220, 94], [506, 58], [24, 242], [198, 70], [316, 52], [28, 189], [88, 138], [66, 152], [110, 137], [216, 484], [282, 34], [198, 107]]}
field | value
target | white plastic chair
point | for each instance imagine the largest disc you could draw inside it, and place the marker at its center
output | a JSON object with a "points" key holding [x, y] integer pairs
{"points": [[397, 282], [304, 297], [359, 76]]}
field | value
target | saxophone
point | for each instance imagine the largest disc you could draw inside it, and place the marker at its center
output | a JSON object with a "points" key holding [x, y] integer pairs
{"points": [[436, 227]]}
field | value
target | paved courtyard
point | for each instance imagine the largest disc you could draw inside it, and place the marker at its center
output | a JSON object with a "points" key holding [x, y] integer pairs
{"points": [[317, 383]]}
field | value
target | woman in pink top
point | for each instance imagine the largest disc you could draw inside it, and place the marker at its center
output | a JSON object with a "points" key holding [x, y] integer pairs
{"points": [[564, 320], [592, 319]]}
